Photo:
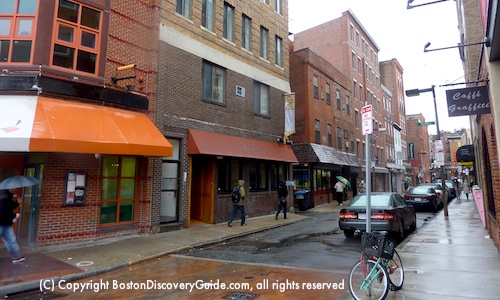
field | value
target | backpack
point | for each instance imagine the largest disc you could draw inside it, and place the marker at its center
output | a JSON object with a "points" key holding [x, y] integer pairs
{"points": [[235, 194]]}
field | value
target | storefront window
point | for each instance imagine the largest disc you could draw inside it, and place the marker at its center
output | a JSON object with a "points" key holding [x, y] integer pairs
{"points": [[321, 180], [301, 178], [277, 174], [258, 176], [229, 172], [118, 189]]}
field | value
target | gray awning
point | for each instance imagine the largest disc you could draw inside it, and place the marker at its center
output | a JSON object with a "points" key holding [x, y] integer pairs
{"points": [[395, 166], [314, 153], [377, 170]]}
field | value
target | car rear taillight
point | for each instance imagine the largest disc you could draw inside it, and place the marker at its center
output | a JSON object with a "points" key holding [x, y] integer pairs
{"points": [[348, 215], [383, 216], [407, 197], [438, 193], [429, 197]]}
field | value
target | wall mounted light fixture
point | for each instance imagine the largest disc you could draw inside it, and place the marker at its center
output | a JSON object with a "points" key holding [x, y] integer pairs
{"points": [[114, 79]]}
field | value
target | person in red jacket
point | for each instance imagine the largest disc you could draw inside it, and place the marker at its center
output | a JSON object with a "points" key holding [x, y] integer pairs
{"points": [[7, 218]]}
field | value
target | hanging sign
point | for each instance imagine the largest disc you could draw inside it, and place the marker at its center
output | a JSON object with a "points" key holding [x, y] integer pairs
{"points": [[468, 101]]}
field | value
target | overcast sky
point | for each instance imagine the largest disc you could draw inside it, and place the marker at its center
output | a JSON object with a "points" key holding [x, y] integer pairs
{"points": [[402, 34]]}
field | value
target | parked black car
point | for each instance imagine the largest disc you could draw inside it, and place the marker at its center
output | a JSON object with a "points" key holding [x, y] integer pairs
{"points": [[389, 212], [451, 187], [439, 189], [423, 197]]}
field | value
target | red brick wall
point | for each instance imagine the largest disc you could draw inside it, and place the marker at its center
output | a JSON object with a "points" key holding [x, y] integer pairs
{"points": [[304, 65], [59, 224], [486, 124]]}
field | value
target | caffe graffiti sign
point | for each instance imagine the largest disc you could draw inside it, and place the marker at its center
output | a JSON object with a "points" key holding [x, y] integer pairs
{"points": [[468, 101]]}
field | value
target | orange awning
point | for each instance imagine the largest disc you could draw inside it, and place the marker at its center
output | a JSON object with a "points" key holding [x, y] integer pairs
{"points": [[203, 142], [74, 127]]}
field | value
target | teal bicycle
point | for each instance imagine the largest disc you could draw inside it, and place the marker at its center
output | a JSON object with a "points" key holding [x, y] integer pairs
{"points": [[379, 269]]}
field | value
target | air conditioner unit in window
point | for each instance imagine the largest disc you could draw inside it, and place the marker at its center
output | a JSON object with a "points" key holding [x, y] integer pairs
{"points": [[343, 107], [240, 91], [347, 144], [322, 96]]}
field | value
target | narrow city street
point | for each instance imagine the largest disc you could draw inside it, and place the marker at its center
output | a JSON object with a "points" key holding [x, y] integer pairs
{"points": [[314, 243], [304, 260]]}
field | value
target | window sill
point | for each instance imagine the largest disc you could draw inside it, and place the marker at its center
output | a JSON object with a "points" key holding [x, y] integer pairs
{"points": [[105, 228]]}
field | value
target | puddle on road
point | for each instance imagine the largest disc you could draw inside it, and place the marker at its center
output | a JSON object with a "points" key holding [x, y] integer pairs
{"points": [[301, 237]]}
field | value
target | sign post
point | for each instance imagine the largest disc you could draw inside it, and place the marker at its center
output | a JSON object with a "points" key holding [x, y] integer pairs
{"points": [[367, 129]]}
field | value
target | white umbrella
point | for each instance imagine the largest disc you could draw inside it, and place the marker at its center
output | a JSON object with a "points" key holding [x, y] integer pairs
{"points": [[19, 181]]}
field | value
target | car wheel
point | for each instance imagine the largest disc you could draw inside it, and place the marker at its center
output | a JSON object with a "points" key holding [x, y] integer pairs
{"points": [[435, 207], [349, 233], [401, 234], [414, 224]]}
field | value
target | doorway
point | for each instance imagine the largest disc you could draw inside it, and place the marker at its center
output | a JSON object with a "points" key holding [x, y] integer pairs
{"points": [[30, 206], [202, 189]]}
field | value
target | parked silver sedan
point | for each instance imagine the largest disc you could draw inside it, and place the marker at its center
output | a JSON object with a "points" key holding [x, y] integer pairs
{"points": [[389, 212]]}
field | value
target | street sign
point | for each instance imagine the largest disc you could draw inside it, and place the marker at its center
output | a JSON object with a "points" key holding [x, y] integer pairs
{"points": [[439, 159], [427, 123], [366, 119]]}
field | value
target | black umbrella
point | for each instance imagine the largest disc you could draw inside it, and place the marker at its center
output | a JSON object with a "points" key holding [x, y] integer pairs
{"points": [[19, 181]]}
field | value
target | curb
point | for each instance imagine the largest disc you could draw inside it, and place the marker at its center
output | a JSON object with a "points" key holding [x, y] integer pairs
{"points": [[35, 285]]}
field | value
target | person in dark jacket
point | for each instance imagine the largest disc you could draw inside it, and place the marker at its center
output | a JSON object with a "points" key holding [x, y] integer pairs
{"points": [[239, 206], [282, 194], [7, 218]]}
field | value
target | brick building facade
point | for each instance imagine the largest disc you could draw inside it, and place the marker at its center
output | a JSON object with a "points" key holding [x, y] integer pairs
{"points": [[480, 66], [324, 126], [222, 75], [347, 45], [418, 149], [84, 128]]}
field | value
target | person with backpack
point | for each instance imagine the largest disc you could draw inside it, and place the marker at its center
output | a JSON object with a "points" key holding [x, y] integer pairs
{"points": [[238, 198], [282, 194]]}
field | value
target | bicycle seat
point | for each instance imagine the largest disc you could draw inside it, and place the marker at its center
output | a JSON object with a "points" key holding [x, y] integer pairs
{"points": [[380, 232]]}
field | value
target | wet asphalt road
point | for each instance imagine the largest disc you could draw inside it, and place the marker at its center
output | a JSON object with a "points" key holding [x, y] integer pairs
{"points": [[306, 253], [316, 243]]}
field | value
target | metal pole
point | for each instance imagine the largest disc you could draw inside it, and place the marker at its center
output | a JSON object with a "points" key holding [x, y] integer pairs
{"points": [[443, 179], [368, 184]]}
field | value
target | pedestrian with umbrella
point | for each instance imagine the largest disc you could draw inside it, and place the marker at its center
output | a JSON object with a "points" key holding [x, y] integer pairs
{"points": [[7, 215], [340, 189], [7, 219]]}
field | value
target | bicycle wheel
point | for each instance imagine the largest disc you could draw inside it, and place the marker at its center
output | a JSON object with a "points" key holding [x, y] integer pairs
{"points": [[368, 280], [394, 269]]}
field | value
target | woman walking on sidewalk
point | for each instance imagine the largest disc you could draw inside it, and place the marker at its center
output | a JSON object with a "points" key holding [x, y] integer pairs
{"points": [[466, 189]]}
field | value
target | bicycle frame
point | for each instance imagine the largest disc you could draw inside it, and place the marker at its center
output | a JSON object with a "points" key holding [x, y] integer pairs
{"points": [[370, 277]]}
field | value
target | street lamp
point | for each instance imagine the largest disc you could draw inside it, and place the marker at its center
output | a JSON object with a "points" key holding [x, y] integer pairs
{"points": [[416, 92], [409, 6]]}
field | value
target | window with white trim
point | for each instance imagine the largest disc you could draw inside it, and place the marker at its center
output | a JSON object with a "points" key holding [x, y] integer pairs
{"points": [[207, 14], [264, 43], [246, 33], [183, 7], [213, 82], [261, 98], [228, 30]]}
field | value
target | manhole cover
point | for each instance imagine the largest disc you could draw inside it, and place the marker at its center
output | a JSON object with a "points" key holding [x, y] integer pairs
{"points": [[240, 296]]}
